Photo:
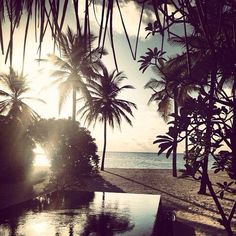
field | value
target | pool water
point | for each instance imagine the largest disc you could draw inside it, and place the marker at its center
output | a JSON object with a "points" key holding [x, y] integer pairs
{"points": [[70, 213]]}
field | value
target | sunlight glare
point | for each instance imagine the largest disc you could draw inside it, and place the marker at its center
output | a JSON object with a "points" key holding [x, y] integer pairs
{"points": [[40, 158]]}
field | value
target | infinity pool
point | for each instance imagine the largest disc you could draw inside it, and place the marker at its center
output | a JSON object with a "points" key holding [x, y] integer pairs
{"points": [[70, 213]]}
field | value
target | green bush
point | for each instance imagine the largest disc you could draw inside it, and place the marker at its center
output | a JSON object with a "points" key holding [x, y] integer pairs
{"points": [[70, 148], [16, 151]]}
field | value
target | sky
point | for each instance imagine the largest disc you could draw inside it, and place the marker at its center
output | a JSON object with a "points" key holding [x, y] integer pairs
{"points": [[147, 123]]}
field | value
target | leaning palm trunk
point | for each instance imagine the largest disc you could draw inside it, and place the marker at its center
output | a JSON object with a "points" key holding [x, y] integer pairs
{"points": [[74, 104], [233, 169], [186, 144], [174, 160], [233, 136], [205, 177], [225, 221], [105, 144]]}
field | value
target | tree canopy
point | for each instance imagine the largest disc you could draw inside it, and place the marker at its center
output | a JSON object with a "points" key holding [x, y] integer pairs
{"points": [[69, 147]]}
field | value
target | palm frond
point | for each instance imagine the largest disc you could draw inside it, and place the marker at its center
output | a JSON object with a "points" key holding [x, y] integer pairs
{"points": [[57, 61], [64, 89], [34, 99], [105, 102], [5, 94], [13, 105]]}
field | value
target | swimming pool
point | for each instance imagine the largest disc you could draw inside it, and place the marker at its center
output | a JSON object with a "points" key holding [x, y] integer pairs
{"points": [[70, 213]]}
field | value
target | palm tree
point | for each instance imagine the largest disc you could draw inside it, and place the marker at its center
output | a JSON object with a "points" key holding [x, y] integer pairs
{"points": [[170, 88], [163, 97], [207, 64], [76, 67], [106, 106], [12, 98]]}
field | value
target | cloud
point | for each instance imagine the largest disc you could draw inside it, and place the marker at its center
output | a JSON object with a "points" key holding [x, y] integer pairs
{"points": [[131, 12]]}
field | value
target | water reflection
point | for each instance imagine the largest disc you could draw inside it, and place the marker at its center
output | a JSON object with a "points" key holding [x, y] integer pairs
{"points": [[107, 224], [70, 213]]}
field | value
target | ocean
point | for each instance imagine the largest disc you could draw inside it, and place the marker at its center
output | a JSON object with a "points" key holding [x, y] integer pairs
{"points": [[134, 160], [142, 160]]}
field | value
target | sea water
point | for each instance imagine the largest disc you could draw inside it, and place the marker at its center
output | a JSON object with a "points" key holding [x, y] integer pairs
{"points": [[143, 160], [133, 160]]}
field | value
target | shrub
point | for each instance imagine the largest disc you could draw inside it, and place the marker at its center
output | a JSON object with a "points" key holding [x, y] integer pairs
{"points": [[70, 148], [16, 151]]}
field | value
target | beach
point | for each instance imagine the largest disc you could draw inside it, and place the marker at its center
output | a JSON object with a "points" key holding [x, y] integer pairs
{"points": [[194, 212]]}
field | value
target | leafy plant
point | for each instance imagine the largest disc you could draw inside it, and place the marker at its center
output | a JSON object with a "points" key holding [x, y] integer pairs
{"points": [[151, 57], [165, 144], [70, 148]]}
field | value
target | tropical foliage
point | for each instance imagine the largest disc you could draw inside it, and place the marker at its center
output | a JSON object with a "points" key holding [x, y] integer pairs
{"points": [[106, 106], [16, 146], [16, 151], [206, 122], [167, 89], [69, 147], [13, 96], [205, 30], [76, 65], [50, 16]]}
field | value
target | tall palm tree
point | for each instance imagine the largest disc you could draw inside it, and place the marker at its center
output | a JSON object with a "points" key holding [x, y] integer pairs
{"points": [[107, 107], [169, 90], [211, 69], [75, 67], [12, 98]]}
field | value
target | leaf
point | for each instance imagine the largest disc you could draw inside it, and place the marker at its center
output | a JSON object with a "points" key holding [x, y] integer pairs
{"points": [[217, 170], [169, 152], [162, 136], [221, 194], [163, 147], [160, 141], [220, 185]]}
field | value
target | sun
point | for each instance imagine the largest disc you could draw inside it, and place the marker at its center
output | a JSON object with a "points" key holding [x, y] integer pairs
{"points": [[40, 157]]}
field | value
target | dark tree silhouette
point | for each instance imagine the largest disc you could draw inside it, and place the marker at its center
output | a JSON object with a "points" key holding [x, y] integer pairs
{"points": [[13, 96], [70, 148], [75, 66], [16, 151], [106, 105], [169, 86]]}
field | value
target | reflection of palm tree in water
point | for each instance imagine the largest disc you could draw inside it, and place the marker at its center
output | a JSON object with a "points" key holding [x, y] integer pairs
{"points": [[104, 223], [71, 200], [54, 201], [107, 223]]}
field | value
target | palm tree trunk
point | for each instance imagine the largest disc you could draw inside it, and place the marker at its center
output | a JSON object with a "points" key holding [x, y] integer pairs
{"points": [[205, 177], [186, 145], [73, 104], [226, 222], [174, 164], [105, 144], [233, 136]]}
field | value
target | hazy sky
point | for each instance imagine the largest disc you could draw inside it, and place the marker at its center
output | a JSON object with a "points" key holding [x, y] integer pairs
{"points": [[147, 123]]}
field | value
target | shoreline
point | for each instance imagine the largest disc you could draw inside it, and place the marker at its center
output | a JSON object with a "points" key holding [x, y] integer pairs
{"points": [[178, 194]]}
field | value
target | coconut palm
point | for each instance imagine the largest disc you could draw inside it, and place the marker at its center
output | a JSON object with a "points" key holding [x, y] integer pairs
{"points": [[13, 96], [107, 107], [75, 67], [170, 90], [211, 70]]}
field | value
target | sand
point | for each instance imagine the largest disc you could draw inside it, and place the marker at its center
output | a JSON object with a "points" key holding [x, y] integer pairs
{"points": [[195, 214]]}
